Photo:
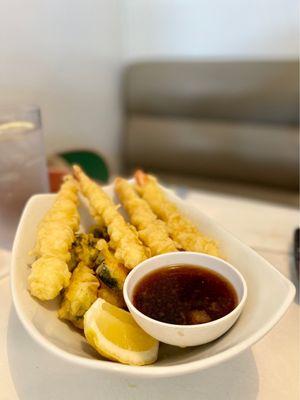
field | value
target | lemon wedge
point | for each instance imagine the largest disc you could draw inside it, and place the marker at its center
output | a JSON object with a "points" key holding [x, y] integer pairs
{"points": [[116, 336]]}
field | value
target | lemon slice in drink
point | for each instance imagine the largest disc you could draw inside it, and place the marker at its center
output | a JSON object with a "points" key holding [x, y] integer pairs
{"points": [[116, 336]]}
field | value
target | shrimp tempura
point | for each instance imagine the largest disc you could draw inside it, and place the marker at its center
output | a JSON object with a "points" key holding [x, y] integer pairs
{"points": [[79, 296], [123, 239], [152, 231], [56, 230], [50, 273], [180, 228]]}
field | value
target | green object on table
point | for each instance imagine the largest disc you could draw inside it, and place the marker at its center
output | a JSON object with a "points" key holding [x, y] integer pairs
{"points": [[92, 163]]}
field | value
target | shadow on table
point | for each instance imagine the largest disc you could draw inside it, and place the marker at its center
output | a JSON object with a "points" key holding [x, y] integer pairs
{"points": [[40, 375]]}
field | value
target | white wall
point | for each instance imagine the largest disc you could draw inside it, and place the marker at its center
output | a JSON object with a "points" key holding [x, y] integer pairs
{"points": [[211, 28], [66, 57]]}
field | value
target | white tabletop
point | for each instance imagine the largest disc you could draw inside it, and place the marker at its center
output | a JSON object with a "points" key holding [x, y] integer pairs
{"points": [[269, 370]]}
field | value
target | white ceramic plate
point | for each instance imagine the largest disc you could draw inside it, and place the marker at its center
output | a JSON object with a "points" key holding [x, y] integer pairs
{"points": [[269, 295]]}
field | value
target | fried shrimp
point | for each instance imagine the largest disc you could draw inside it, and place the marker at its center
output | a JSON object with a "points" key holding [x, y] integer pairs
{"points": [[152, 231], [50, 273], [56, 230], [180, 228], [79, 296], [47, 277], [123, 238]]}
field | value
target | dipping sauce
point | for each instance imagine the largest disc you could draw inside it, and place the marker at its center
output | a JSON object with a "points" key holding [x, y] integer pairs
{"points": [[184, 295]]}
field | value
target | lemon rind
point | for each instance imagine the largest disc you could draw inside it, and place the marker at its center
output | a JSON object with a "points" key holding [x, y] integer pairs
{"points": [[110, 350]]}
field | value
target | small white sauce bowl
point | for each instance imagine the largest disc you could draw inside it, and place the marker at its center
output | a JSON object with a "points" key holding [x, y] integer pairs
{"points": [[185, 335]]}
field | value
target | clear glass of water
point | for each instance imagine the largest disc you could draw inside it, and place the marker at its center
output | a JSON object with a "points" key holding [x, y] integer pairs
{"points": [[23, 169]]}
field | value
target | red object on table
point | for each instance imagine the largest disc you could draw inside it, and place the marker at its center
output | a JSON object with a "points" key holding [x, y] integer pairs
{"points": [[56, 177]]}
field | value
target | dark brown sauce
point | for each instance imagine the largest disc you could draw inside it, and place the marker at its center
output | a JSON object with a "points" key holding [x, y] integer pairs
{"points": [[184, 295]]}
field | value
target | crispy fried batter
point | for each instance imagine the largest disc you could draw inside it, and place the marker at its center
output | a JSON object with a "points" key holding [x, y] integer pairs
{"points": [[79, 296], [50, 274], [152, 231], [47, 277], [123, 239], [84, 250], [112, 296], [180, 228], [111, 272]]}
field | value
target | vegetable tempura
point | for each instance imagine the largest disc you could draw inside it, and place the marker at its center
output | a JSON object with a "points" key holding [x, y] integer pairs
{"points": [[84, 250], [79, 296], [123, 239], [111, 272], [152, 231], [112, 296], [180, 228], [50, 273]]}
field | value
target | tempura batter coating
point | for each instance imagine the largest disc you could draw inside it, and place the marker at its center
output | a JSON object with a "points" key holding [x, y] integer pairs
{"points": [[152, 231], [123, 238], [180, 228], [50, 273], [111, 272], [48, 276], [79, 296], [84, 250], [56, 230], [112, 296]]}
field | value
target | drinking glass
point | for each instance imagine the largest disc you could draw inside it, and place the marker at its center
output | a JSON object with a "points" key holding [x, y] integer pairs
{"points": [[23, 169]]}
